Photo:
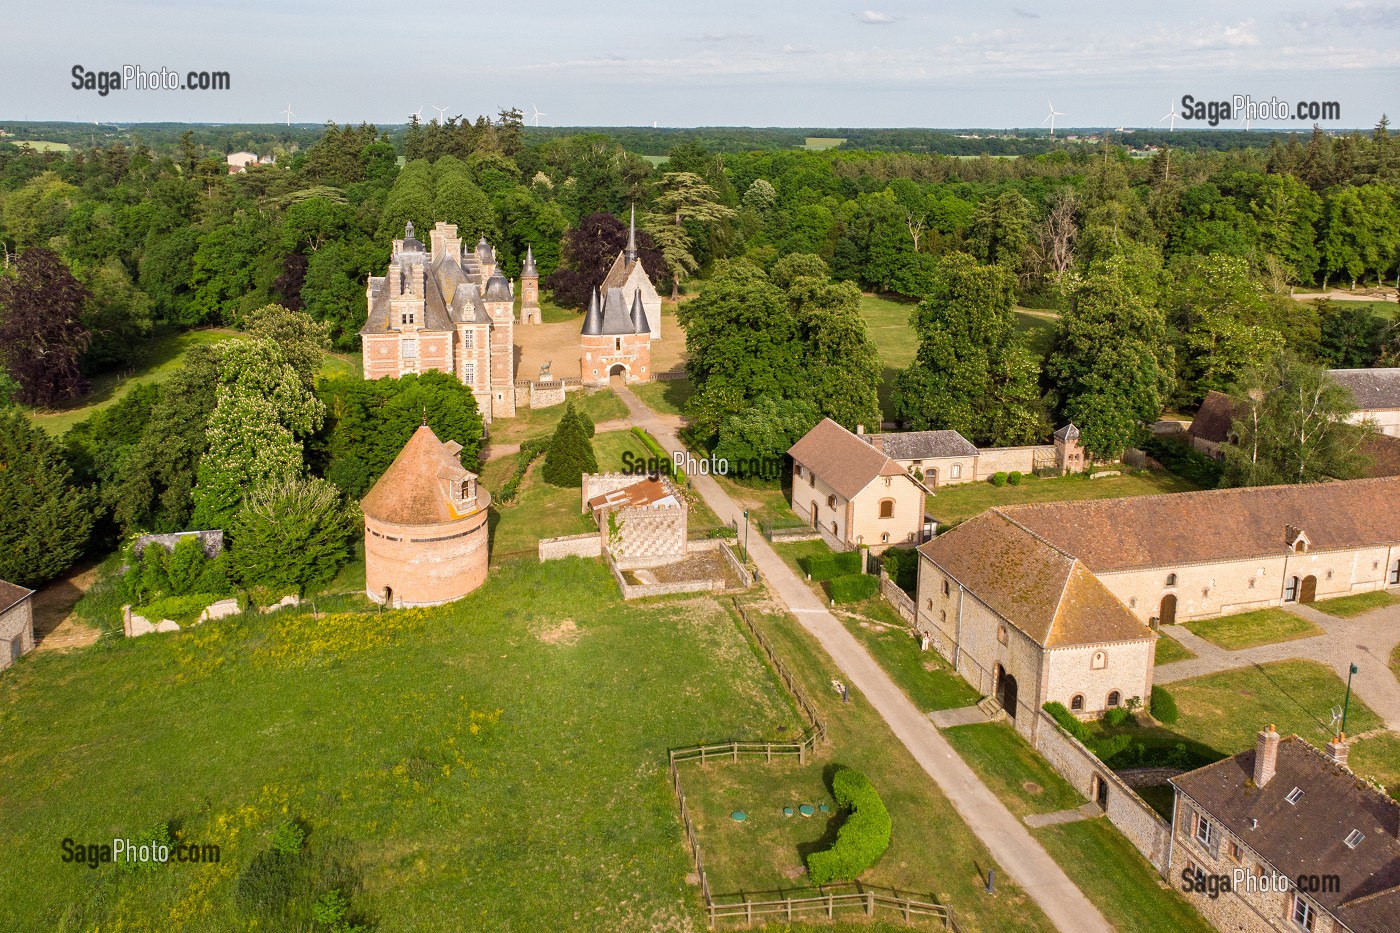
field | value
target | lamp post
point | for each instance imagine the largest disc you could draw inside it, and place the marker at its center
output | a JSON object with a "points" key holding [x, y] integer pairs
{"points": [[1346, 704], [746, 537]]}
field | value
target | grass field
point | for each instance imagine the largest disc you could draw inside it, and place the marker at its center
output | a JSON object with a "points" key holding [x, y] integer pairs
{"points": [[956, 503], [819, 143], [166, 355], [1251, 629], [1344, 607], [1395, 662], [1379, 759], [666, 398], [926, 678], [1012, 769], [39, 145], [465, 767], [1104, 864], [1169, 650], [600, 405]]}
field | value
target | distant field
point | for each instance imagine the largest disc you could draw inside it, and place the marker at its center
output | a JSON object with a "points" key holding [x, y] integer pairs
{"points": [[823, 142], [39, 145], [655, 160], [955, 503]]}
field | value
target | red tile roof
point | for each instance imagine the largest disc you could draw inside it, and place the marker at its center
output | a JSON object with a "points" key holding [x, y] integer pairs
{"points": [[11, 595], [842, 460], [418, 487]]}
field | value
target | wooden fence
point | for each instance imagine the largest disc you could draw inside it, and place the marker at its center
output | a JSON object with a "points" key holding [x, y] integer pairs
{"points": [[799, 696], [828, 905]]}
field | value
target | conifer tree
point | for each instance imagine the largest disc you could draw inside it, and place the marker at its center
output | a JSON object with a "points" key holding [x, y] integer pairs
{"points": [[570, 453]]}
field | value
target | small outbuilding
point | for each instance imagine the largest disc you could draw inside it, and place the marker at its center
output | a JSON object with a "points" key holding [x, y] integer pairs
{"points": [[16, 623]]}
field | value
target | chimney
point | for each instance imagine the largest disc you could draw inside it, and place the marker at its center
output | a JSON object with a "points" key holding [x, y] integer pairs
{"points": [[1337, 749], [860, 429], [1266, 756]]}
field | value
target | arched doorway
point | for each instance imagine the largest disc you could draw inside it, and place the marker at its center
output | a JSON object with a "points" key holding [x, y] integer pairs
{"points": [[1100, 791], [1290, 590], [1167, 614], [1004, 689], [1308, 593], [388, 597], [618, 371], [814, 513]]}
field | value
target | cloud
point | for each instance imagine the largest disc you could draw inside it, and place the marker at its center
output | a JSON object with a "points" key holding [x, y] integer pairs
{"points": [[1372, 15], [723, 37], [799, 49], [1025, 14], [874, 18]]}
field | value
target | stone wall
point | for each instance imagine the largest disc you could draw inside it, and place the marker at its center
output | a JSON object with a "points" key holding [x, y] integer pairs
{"points": [[902, 602], [16, 623], [725, 548], [426, 565], [1147, 831], [1094, 671], [1020, 459], [639, 590], [212, 541], [648, 536], [584, 545], [539, 394]]}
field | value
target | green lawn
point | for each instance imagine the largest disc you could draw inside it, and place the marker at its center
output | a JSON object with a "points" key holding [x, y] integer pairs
{"points": [[766, 503], [1038, 328], [1344, 607], [928, 680], [1395, 662], [166, 354], [1379, 759], [1169, 650], [551, 313], [956, 503], [931, 848], [1251, 629], [1120, 882], [457, 768], [1012, 769], [665, 398], [600, 405], [823, 142]]}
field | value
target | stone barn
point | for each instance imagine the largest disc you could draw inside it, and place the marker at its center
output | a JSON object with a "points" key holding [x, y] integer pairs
{"points": [[426, 538], [16, 623]]}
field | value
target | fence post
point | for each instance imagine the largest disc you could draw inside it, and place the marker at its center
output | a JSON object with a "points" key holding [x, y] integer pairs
{"points": [[870, 903], [802, 753], [830, 908]]}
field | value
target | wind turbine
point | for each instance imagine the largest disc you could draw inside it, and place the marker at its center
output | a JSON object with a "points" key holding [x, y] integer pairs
{"points": [[441, 111], [537, 115], [418, 113], [1171, 115], [1051, 119], [288, 113]]}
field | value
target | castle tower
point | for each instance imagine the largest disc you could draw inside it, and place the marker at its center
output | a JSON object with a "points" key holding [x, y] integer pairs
{"points": [[530, 290], [628, 275], [629, 254], [486, 256], [1069, 455], [615, 340], [500, 306]]}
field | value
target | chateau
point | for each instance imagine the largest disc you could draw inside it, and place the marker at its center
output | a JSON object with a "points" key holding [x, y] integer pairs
{"points": [[624, 317], [448, 308]]}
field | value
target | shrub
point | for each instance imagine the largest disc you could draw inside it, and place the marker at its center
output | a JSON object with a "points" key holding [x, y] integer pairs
{"points": [[1116, 716], [852, 587], [849, 561], [1013, 478], [861, 840], [293, 535], [1185, 461], [902, 565], [1164, 706], [185, 565], [821, 567], [288, 838], [1068, 722], [181, 609], [998, 479]]}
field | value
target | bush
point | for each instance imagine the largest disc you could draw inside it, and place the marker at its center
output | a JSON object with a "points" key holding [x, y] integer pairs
{"points": [[852, 587], [998, 479], [861, 840], [1068, 722], [902, 565], [1164, 706], [1185, 461], [181, 609], [1013, 478], [823, 567], [1116, 716]]}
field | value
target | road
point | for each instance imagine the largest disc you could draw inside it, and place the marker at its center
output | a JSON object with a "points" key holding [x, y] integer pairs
{"points": [[1011, 844]]}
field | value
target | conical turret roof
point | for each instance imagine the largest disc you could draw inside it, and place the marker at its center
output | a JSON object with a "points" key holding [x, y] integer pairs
{"points": [[416, 489], [639, 314], [529, 271], [593, 320]]}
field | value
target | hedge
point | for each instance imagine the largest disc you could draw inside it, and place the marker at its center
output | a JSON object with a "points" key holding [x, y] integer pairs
{"points": [[659, 452], [1164, 706], [861, 840], [852, 587], [902, 565], [1068, 722], [829, 566]]}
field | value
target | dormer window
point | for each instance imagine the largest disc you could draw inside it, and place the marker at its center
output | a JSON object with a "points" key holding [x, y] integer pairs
{"points": [[1295, 795], [1300, 546], [467, 490], [1354, 838]]}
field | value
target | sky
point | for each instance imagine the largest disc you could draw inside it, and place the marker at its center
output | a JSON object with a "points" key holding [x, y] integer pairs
{"points": [[716, 63]]}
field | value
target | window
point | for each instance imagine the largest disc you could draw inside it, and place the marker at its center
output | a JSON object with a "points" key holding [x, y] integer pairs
{"points": [[1300, 546], [799, 469], [1290, 590], [1395, 573], [942, 614], [833, 527], [617, 344], [831, 502], [811, 478], [1353, 838], [887, 508], [946, 588], [1171, 579], [468, 339], [1303, 914], [1001, 634], [1076, 703], [1114, 698], [1236, 852], [1295, 795], [955, 471], [469, 373], [1099, 661], [467, 491], [1205, 831], [884, 538], [408, 348]]}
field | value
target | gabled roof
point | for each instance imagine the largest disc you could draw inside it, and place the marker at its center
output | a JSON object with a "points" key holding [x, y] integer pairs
{"points": [[843, 460], [12, 595], [1384, 453], [1045, 593], [1216, 525], [1213, 420], [418, 487], [1309, 836], [1373, 389], [922, 445]]}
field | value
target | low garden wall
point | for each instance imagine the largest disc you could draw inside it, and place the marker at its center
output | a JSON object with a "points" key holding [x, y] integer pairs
{"points": [[584, 545], [902, 602], [1147, 831], [725, 548]]}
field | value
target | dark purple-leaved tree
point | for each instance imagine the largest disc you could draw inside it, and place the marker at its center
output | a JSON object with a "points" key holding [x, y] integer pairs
{"points": [[41, 339], [589, 251]]}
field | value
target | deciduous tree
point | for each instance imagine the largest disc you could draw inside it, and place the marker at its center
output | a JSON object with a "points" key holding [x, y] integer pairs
{"points": [[41, 334]]}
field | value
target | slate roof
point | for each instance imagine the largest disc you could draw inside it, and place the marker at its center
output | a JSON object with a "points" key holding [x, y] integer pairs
{"points": [[616, 314], [1213, 420], [841, 459], [1068, 433], [450, 295], [640, 324], [1216, 525], [922, 445], [618, 273], [12, 595], [593, 317], [1373, 389], [529, 270], [1309, 837], [498, 287], [1045, 593], [417, 489]]}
